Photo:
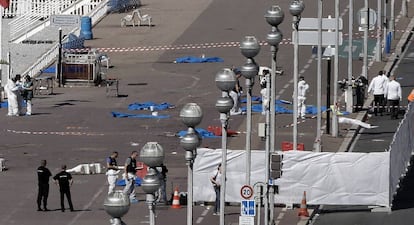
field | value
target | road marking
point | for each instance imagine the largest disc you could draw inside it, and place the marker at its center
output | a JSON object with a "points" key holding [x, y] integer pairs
{"points": [[87, 206], [61, 133], [203, 214], [199, 219], [378, 140]]}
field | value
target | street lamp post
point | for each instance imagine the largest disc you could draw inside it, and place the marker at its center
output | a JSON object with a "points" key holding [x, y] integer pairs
{"points": [[151, 154], [295, 8], [274, 16], [225, 81], [249, 47], [349, 95], [117, 205], [191, 115], [317, 144]]}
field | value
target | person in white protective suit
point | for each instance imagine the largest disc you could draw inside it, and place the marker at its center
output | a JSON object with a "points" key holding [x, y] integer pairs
{"points": [[303, 88], [235, 94], [264, 91], [12, 91]]}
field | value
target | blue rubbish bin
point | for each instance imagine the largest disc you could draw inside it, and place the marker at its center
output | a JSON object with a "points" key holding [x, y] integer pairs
{"points": [[86, 28]]}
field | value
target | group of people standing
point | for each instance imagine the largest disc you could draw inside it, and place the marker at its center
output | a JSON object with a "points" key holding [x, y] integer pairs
{"points": [[129, 174], [387, 94], [18, 91], [63, 179], [130, 169]]}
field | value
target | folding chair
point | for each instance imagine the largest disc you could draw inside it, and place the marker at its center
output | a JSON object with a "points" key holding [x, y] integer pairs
{"points": [[143, 18], [129, 18]]}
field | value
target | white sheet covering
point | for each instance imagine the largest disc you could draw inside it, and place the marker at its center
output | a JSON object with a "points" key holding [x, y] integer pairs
{"points": [[328, 178]]}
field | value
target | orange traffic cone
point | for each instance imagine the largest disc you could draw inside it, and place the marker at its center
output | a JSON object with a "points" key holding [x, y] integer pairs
{"points": [[176, 200], [303, 211]]}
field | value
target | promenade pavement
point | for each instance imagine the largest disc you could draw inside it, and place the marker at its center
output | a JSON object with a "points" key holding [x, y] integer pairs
{"points": [[76, 127]]}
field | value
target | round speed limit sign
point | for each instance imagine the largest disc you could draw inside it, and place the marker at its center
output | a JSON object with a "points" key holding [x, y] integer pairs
{"points": [[246, 192]]}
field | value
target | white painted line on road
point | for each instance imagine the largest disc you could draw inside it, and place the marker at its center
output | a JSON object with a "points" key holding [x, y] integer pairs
{"points": [[87, 206], [61, 133], [280, 216], [377, 140], [199, 220], [204, 213]]}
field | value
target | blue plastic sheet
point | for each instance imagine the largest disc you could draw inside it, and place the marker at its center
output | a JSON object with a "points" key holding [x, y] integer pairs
{"points": [[193, 59], [51, 69], [144, 116], [6, 104], [121, 182], [202, 132], [310, 109], [258, 108], [147, 105]]}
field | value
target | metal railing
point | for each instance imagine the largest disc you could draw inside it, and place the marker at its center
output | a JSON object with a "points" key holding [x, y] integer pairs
{"points": [[37, 18], [96, 14], [20, 7]]}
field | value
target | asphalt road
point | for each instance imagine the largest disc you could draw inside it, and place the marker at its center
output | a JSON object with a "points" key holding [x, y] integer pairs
{"points": [[75, 125]]}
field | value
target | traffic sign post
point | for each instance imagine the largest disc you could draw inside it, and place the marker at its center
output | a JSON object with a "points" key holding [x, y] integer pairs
{"points": [[248, 208], [308, 37], [246, 192], [62, 21], [367, 18], [246, 220], [327, 23]]}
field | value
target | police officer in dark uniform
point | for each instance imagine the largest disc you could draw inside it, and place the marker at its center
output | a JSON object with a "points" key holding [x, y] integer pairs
{"points": [[130, 170], [43, 175], [112, 171], [64, 180]]}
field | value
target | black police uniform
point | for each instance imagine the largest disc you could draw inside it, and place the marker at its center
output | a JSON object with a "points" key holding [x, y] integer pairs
{"points": [[43, 175], [131, 168], [64, 179], [112, 162]]}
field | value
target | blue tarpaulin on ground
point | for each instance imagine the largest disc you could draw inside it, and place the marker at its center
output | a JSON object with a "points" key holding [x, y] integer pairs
{"points": [[121, 182], [258, 108], [144, 116], [202, 132], [193, 59], [147, 105], [51, 69], [6, 104], [310, 109]]}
